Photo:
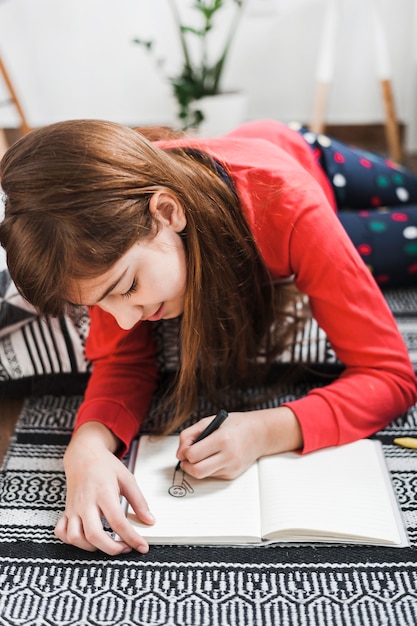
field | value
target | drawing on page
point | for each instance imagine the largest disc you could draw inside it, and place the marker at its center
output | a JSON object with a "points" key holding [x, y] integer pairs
{"points": [[180, 486]]}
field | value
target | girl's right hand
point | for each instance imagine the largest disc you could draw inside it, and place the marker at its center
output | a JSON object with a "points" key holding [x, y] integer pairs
{"points": [[96, 479]]}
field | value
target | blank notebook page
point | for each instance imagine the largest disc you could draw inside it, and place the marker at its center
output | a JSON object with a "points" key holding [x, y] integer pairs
{"points": [[340, 490]]}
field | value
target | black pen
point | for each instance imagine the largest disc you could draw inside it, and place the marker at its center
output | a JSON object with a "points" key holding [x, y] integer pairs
{"points": [[214, 425]]}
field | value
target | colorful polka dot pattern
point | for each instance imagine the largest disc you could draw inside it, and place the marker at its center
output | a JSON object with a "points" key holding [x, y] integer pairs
{"points": [[386, 239], [377, 205]]}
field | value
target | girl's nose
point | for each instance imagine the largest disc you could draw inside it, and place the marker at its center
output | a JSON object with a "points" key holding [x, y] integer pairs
{"points": [[126, 315]]}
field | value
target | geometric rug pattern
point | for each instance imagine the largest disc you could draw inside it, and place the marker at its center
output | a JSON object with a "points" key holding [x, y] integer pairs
{"points": [[46, 583]]}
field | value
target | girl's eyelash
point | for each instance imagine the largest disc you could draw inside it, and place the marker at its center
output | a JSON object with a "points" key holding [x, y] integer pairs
{"points": [[131, 289]]}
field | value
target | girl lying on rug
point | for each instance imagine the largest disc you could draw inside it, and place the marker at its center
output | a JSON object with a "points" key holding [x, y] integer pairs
{"points": [[212, 230]]}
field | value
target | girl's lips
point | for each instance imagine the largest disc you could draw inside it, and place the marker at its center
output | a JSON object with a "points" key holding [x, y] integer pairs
{"points": [[157, 315]]}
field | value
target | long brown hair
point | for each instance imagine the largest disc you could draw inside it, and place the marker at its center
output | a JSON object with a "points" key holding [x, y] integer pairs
{"points": [[77, 198]]}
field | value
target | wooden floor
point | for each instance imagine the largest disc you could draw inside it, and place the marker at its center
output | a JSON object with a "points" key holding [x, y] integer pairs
{"points": [[10, 407], [9, 412]]}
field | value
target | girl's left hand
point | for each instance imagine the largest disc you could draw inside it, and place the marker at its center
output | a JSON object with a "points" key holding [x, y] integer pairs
{"points": [[239, 442]]}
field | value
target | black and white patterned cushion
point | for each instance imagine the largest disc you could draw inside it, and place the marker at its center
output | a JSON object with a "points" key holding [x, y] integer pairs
{"points": [[33, 349], [14, 310]]}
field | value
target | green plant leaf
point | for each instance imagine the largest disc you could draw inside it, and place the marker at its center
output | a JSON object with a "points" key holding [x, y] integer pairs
{"points": [[199, 78]]}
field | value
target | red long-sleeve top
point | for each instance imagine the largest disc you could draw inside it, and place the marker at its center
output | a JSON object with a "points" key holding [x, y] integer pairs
{"points": [[290, 208]]}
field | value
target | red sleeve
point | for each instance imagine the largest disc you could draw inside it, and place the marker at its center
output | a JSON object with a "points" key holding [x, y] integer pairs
{"points": [[123, 378], [299, 235], [378, 383]]}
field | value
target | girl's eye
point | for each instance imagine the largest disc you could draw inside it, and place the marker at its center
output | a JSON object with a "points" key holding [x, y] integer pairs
{"points": [[131, 289]]}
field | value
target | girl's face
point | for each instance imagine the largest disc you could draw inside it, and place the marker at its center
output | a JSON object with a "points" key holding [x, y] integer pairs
{"points": [[147, 283]]}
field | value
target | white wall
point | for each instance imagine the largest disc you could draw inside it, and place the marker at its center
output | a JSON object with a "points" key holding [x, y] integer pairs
{"points": [[75, 58]]}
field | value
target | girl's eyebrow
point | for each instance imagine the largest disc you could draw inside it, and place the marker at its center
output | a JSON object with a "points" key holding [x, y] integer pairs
{"points": [[112, 286], [106, 293]]}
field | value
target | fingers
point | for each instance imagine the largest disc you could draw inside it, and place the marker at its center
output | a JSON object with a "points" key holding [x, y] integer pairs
{"points": [[225, 453], [90, 535], [188, 437], [209, 457], [204, 468], [83, 526], [190, 434], [72, 532], [137, 501]]}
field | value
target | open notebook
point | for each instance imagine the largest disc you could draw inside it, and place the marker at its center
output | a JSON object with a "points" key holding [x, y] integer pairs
{"points": [[336, 495]]}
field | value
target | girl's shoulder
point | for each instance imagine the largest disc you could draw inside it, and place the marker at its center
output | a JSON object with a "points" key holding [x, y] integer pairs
{"points": [[238, 152], [265, 151]]}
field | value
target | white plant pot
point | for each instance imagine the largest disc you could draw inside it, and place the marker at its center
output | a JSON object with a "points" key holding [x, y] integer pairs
{"points": [[222, 113]]}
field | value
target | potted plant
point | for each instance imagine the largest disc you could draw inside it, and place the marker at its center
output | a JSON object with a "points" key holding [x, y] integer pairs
{"points": [[201, 74]]}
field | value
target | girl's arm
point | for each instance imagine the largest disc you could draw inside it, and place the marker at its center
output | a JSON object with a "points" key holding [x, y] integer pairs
{"points": [[378, 383], [299, 234], [123, 379], [118, 394]]}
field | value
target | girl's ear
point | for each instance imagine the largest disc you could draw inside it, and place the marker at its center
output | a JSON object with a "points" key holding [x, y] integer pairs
{"points": [[168, 210]]}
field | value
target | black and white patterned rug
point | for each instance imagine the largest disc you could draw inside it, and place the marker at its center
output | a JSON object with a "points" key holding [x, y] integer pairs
{"points": [[45, 583]]}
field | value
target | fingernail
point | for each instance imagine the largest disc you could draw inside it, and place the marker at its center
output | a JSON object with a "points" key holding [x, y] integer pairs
{"points": [[126, 550], [151, 518]]}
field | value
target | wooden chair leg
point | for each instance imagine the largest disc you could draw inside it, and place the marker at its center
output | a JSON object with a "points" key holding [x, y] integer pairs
{"points": [[318, 117], [325, 66], [3, 142], [392, 132], [24, 124]]}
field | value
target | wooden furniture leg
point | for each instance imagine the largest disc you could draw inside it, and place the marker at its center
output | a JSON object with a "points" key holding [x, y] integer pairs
{"points": [[3, 142], [392, 132], [383, 68], [325, 67], [15, 100]]}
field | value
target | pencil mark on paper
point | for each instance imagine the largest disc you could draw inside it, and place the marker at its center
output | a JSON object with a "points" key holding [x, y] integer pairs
{"points": [[180, 486]]}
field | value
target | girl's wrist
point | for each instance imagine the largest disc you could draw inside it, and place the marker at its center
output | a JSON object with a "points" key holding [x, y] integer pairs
{"points": [[282, 430], [95, 434]]}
